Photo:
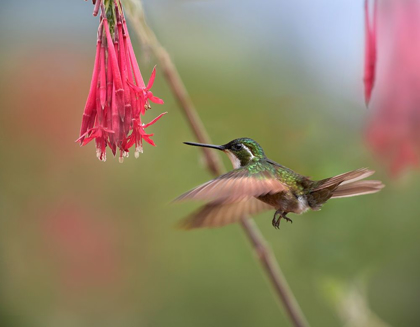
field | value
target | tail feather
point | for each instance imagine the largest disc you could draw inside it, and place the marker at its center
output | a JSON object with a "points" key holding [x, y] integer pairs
{"points": [[357, 188], [346, 178], [344, 185]]}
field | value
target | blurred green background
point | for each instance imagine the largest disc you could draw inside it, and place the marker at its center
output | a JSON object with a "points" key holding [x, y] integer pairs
{"points": [[86, 243]]}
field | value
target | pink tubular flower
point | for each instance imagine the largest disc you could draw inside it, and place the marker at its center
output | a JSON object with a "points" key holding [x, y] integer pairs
{"points": [[117, 97], [394, 128], [138, 135], [370, 50]]}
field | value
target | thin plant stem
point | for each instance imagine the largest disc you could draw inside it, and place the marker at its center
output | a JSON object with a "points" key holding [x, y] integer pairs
{"points": [[265, 256]]}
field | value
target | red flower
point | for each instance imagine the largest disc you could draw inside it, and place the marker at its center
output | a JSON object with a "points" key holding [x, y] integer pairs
{"points": [[138, 135], [118, 97], [370, 50], [145, 93], [100, 134], [394, 127]]}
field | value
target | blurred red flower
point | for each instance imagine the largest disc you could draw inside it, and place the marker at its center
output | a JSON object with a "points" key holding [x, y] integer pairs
{"points": [[393, 131], [370, 50], [118, 96], [83, 247]]}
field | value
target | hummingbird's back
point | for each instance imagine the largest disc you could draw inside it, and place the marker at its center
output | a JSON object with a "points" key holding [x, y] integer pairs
{"points": [[297, 183]]}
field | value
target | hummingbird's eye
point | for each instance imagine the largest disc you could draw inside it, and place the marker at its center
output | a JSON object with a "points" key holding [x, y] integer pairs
{"points": [[237, 146]]}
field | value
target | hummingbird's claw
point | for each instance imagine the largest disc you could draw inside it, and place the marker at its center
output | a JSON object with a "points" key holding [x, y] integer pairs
{"points": [[288, 219], [276, 221]]}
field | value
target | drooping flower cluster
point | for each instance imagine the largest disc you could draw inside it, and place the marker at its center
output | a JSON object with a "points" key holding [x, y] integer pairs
{"points": [[393, 131], [118, 97]]}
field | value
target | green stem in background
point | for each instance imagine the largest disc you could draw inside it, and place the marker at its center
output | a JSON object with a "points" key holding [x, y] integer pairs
{"points": [[266, 258]]}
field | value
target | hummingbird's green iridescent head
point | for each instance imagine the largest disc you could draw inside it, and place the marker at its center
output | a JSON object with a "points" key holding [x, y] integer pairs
{"points": [[240, 151]]}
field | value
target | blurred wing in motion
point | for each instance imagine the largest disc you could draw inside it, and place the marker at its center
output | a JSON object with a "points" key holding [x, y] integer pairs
{"points": [[216, 214], [235, 185]]}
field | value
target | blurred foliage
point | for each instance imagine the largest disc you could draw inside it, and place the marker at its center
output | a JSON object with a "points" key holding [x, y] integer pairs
{"points": [[86, 243]]}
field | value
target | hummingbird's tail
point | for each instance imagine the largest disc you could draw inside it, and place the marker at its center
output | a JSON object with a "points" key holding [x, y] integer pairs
{"points": [[357, 188], [341, 186]]}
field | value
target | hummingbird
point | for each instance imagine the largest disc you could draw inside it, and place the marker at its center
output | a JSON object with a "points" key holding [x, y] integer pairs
{"points": [[257, 184]]}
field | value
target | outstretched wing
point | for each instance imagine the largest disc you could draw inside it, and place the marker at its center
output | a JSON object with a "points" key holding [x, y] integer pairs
{"points": [[235, 185], [216, 214]]}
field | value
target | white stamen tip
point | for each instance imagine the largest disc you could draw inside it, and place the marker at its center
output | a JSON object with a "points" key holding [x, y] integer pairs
{"points": [[139, 149], [101, 156]]}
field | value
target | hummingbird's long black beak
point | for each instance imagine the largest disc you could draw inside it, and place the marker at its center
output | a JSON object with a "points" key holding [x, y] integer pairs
{"points": [[218, 147]]}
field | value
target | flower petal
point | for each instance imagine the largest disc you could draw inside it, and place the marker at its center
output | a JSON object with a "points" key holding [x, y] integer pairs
{"points": [[152, 79], [149, 140], [94, 135], [135, 87], [156, 99], [155, 120]]}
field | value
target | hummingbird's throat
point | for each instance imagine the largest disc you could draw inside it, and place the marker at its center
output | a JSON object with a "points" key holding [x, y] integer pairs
{"points": [[236, 163]]}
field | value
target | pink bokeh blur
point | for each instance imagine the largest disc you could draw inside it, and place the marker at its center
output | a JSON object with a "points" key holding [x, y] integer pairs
{"points": [[394, 125]]}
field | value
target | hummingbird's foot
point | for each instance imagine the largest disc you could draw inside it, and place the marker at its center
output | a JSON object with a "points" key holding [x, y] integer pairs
{"points": [[276, 220]]}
